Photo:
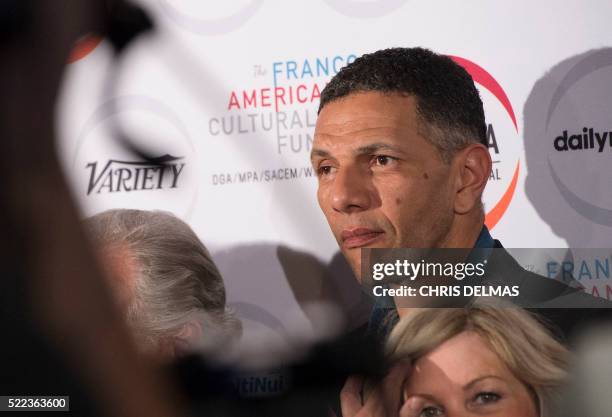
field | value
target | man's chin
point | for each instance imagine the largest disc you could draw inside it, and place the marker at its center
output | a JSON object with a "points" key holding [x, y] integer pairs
{"points": [[353, 258]]}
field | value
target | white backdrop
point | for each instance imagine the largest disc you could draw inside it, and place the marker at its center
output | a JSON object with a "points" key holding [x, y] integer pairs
{"points": [[230, 90]]}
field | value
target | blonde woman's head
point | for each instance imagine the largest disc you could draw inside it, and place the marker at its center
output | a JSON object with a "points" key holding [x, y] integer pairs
{"points": [[480, 360]]}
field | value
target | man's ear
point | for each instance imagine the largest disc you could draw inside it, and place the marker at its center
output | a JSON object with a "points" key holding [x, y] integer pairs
{"points": [[473, 165], [188, 337]]}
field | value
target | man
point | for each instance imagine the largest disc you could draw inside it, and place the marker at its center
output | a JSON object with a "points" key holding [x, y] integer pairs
{"points": [[401, 155], [164, 281]]}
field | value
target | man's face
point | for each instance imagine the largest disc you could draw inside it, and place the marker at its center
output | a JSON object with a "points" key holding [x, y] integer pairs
{"points": [[381, 184]]}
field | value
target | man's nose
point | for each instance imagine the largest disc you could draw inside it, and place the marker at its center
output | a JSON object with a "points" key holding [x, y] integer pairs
{"points": [[352, 190]]}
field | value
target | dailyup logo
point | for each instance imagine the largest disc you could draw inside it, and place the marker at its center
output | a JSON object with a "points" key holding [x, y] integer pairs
{"points": [[579, 132]]}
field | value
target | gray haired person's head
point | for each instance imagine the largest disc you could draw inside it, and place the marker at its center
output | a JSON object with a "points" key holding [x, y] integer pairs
{"points": [[177, 297]]}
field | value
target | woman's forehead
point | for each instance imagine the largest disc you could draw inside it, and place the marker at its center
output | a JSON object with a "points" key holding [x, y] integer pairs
{"points": [[459, 361]]}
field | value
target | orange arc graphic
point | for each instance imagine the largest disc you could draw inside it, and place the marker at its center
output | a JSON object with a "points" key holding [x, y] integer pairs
{"points": [[83, 47], [482, 77], [500, 208]]}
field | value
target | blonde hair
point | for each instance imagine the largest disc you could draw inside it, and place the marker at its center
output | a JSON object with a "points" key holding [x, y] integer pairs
{"points": [[519, 339]]}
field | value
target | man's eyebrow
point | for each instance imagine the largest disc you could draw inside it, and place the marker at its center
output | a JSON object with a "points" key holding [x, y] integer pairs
{"points": [[320, 153], [374, 147], [477, 380]]}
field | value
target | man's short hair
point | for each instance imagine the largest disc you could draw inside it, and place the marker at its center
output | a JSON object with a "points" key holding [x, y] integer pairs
{"points": [[176, 280], [449, 108]]}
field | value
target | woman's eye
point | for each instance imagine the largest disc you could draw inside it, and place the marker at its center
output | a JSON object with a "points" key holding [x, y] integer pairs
{"points": [[487, 398], [431, 412]]}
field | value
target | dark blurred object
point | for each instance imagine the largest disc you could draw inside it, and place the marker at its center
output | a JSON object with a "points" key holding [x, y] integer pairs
{"points": [[61, 333], [126, 22], [308, 388], [15, 19]]}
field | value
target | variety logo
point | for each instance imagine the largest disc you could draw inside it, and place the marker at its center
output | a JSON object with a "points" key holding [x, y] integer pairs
{"points": [[110, 175], [506, 165], [583, 135], [118, 176]]}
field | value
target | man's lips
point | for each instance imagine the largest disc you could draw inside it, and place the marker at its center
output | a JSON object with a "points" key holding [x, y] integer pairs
{"points": [[359, 236]]}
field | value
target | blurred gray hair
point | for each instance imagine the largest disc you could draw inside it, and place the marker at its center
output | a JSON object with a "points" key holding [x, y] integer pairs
{"points": [[176, 281]]}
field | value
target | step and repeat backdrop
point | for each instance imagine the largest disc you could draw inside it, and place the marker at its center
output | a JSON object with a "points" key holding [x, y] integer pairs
{"points": [[226, 93]]}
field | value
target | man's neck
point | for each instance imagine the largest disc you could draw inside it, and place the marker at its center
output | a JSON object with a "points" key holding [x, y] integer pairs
{"points": [[477, 239], [464, 232]]}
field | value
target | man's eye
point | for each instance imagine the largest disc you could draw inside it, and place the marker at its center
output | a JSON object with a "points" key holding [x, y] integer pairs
{"points": [[324, 170], [486, 398], [431, 412], [383, 160]]}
